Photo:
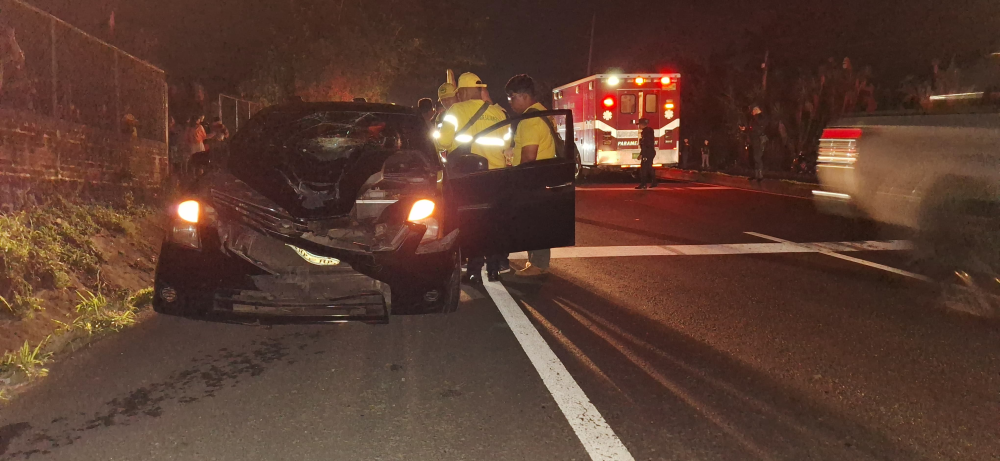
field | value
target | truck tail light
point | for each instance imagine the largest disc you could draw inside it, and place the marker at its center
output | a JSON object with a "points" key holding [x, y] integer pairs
{"points": [[838, 148], [841, 133], [609, 102]]}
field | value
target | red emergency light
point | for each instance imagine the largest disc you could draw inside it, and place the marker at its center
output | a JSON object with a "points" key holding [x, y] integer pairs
{"points": [[609, 102], [665, 80], [639, 80], [841, 133]]}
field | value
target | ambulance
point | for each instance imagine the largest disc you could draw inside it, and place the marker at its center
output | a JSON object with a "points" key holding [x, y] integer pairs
{"points": [[606, 112]]}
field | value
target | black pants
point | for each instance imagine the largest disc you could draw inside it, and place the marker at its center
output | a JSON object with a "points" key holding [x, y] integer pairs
{"points": [[492, 263], [646, 172]]}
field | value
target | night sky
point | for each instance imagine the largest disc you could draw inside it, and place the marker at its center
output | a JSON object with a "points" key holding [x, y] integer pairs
{"points": [[215, 40]]}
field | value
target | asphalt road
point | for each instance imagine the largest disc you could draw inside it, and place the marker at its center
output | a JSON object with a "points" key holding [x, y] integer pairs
{"points": [[707, 343]]}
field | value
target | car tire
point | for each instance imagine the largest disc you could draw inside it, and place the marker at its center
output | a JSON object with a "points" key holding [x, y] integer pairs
{"points": [[959, 232]]}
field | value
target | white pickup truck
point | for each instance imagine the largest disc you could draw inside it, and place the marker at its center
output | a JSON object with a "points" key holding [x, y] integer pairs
{"points": [[938, 174]]}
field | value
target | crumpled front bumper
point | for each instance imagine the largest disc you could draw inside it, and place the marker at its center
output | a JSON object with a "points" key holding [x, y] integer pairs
{"points": [[217, 281]]}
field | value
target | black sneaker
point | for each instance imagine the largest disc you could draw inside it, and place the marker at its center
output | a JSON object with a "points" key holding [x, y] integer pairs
{"points": [[493, 276], [640, 187]]}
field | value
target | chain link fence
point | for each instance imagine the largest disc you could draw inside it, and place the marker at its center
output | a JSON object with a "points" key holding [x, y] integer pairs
{"points": [[49, 67]]}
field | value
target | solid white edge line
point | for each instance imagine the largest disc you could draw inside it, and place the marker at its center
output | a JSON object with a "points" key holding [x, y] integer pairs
{"points": [[594, 433], [848, 258]]}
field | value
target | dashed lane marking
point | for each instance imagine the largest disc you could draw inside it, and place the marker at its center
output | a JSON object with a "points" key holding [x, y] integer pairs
{"points": [[725, 249], [830, 251], [594, 433]]}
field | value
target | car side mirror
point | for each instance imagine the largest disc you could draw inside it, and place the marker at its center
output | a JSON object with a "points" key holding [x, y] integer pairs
{"points": [[467, 163]]}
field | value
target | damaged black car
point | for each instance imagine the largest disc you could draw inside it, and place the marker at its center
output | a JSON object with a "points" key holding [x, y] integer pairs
{"points": [[345, 211]]}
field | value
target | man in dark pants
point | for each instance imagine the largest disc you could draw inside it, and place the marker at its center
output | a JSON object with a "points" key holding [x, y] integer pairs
{"points": [[758, 138], [647, 152], [684, 151]]}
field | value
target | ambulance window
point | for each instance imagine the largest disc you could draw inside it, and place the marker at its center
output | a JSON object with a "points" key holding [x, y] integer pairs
{"points": [[651, 103], [628, 104]]}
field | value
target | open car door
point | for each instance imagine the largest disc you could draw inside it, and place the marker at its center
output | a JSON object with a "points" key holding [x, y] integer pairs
{"points": [[531, 206]]}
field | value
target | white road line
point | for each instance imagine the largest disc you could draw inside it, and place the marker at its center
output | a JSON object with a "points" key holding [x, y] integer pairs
{"points": [[827, 251], [724, 249], [594, 433]]}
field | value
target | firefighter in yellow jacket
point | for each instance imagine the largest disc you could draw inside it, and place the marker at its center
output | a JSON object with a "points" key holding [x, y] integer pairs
{"points": [[463, 121], [468, 118]]}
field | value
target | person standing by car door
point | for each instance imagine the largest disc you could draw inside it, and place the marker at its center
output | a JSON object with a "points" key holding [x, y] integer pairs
{"points": [[533, 140], [461, 123], [468, 118], [647, 152]]}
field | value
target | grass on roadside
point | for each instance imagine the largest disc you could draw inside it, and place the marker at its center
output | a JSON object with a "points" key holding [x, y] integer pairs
{"points": [[27, 360], [41, 246], [97, 314]]}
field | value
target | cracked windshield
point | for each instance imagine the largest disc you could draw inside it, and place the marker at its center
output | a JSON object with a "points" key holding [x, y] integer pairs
{"points": [[447, 230]]}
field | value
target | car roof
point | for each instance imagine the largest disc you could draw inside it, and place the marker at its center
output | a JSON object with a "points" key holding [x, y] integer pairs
{"points": [[337, 106]]}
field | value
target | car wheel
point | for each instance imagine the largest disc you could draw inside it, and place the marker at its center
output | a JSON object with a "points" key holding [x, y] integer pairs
{"points": [[957, 240]]}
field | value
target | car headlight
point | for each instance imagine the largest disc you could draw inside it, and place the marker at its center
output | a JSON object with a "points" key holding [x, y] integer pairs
{"points": [[421, 209], [184, 228], [421, 213], [189, 211]]}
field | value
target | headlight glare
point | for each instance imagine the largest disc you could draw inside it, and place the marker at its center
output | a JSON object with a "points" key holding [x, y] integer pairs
{"points": [[189, 211], [422, 209]]}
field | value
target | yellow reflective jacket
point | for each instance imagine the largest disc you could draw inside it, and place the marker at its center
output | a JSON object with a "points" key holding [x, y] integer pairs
{"points": [[490, 145]]}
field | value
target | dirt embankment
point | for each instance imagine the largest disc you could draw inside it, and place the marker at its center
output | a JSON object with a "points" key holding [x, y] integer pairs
{"points": [[69, 273]]}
